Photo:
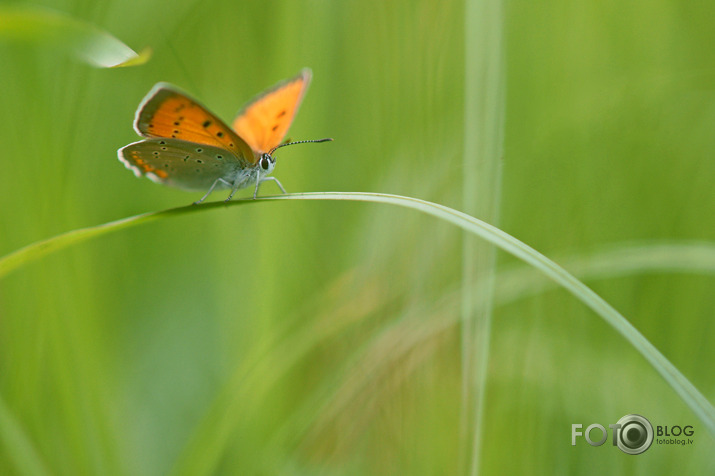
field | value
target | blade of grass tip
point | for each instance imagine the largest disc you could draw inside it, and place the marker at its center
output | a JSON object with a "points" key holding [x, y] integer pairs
{"points": [[483, 147], [52, 29], [682, 386]]}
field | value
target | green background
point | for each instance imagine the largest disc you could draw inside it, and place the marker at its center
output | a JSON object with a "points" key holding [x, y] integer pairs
{"points": [[323, 338]]}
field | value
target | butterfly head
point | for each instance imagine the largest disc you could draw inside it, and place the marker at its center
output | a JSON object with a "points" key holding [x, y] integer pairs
{"points": [[267, 163]]}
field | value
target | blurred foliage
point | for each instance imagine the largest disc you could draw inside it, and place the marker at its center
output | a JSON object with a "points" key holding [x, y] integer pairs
{"points": [[321, 338], [54, 31]]}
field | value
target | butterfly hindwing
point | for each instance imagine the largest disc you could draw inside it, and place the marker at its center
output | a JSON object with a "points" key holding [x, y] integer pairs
{"points": [[181, 164], [264, 122], [168, 113]]}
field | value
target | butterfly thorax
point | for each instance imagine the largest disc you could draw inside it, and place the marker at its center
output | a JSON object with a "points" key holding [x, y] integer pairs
{"points": [[246, 177]]}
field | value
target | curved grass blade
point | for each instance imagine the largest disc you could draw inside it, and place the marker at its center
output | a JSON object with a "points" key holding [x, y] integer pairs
{"points": [[41, 248], [58, 31], [682, 386]]}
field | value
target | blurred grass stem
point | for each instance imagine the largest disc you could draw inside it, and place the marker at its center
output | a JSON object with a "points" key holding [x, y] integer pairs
{"points": [[483, 145]]}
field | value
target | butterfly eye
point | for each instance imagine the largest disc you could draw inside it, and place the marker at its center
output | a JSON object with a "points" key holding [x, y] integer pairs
{"points": [[266, 161]]}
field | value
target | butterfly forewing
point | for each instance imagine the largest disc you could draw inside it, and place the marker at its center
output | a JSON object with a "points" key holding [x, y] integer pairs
{"points": [[264, 122], [169, 113], [181, 164]]}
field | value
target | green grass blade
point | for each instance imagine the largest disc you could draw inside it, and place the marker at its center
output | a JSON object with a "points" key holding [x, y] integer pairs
{"points": [[41, 248], [55, 30], [690, 395]]}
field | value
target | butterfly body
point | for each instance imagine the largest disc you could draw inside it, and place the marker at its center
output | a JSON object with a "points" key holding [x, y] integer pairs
{"points": [[188, 147]]}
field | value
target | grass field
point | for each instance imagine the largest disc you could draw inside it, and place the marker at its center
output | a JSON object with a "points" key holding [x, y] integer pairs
{"points": [[304, 337]]}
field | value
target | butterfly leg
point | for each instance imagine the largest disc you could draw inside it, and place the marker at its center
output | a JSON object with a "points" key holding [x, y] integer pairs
{"points": [[236, 185], [255, 190], [213, 185], [280, 185]]}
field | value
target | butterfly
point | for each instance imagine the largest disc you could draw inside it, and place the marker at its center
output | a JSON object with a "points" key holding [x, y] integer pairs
{"points": [[188, 147]]}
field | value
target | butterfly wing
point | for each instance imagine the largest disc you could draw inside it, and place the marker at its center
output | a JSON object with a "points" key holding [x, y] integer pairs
{"points": [[264, 122], [168, 113], [181, 164]]}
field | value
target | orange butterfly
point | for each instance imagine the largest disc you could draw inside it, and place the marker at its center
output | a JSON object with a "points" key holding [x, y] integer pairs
{"points": [[188, 147]]}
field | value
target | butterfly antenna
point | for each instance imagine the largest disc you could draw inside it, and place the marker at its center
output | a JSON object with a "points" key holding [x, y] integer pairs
{"points": [[270, 152]]}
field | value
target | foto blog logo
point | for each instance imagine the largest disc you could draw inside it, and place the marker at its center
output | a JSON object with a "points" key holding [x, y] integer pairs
{"points": [[633, 434]]}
